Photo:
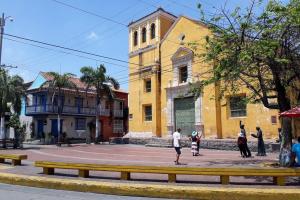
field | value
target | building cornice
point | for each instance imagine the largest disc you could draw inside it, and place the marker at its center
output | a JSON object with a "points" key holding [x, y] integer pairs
{"points": [[158, 12], [147, 48]]}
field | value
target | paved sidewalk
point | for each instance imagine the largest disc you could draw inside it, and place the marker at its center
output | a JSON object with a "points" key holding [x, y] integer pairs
{"points": [[140, 155], [30, 193]]}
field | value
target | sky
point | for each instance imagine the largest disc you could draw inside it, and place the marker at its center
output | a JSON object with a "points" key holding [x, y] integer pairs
{"points": [[52, 22]]}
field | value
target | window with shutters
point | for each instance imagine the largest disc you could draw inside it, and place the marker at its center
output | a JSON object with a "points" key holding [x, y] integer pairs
{"points": [[118, 126], [135, 38], [148, 85], [237, 106], [183, 74], [148, 112], [152, 31], [144, 34], [80, 124]]}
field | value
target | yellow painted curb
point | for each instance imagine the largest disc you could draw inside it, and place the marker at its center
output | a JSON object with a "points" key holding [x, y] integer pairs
{"points": [[2, 167], [152, 190]]}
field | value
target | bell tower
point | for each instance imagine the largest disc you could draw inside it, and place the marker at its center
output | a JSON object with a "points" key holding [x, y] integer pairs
{"points": [[145, 35]]}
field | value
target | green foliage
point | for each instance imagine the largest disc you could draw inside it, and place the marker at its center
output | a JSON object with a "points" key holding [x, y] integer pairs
{"points": [[56, 84], [20, 130], [11, 90], [257, 50], [96, 79]]}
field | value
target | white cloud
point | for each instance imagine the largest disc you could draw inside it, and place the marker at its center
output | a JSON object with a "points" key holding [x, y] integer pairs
{"points": [[92, 36]]}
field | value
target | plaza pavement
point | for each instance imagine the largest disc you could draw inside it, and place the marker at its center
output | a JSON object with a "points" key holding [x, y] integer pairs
{"points": [[30, 193], [140, 155]]}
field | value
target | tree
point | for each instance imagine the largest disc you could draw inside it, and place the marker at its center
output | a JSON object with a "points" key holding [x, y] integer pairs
{"points": [[56, 85], [11, 91], [260, 51], [97, 80], [20, 130]]}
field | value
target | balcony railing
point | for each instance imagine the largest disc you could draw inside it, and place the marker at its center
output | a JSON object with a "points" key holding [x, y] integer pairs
{"points": [[72, 110], [118, 113], [104, 112]]}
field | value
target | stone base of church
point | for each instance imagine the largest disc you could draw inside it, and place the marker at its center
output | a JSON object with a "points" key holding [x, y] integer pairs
{"points": [[218, 144]]}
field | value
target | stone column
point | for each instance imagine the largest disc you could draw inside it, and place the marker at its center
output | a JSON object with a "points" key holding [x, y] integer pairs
{"points": [[139, 37], [157, 24], [130, 40], [148, 36]]}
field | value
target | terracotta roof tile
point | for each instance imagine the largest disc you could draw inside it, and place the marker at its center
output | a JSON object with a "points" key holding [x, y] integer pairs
{"points": [[80, 85]]}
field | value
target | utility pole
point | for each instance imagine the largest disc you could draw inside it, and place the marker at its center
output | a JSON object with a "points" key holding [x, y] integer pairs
{"points": [[2, 24]]}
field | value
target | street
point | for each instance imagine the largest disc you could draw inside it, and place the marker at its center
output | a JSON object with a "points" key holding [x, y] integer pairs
{"points": [[29, 193]]}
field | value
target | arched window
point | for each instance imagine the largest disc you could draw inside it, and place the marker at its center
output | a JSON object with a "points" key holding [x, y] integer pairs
{"points": [[135, 38], [144, 33], [152, 31]]}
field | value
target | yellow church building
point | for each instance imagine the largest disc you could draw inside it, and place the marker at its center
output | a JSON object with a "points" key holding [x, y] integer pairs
{"points": [[161, 71]]}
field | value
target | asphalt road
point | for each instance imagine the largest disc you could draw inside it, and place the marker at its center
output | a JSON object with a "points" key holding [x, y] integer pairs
{"points": [[12, 192]]}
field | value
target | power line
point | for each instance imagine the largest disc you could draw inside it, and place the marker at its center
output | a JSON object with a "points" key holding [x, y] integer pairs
{"points": [[104, 31], [69, 49], [170, 69], [89, 12], [7, 66], [64, 52], [189, 7], [102, 17], [90, 28]]}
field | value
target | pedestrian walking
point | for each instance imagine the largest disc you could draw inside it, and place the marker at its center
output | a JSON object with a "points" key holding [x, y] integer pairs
{"points": [[279, 135], [177, 145], [261, 151], [241, 142], [243, 131], [194, 139], [198, 141]]}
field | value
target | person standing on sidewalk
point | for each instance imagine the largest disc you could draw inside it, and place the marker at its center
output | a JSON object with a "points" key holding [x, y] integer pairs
{"points": [[199, 134], [261, 150], [241, 142], [177, 145], [243, 131], [194, 139]]}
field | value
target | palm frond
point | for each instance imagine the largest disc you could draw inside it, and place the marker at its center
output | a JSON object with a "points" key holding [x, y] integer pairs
{"points": [[113, 81]]}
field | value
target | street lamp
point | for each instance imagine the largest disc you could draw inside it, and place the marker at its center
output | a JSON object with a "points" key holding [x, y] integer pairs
{"points": [[2, 24]]}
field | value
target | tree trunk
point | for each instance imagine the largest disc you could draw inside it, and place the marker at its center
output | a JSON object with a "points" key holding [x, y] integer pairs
{"points": [[286, 143], [97, 136], [286, 123], [2, 131], [58, 128], [98, 111], [97, 130]]}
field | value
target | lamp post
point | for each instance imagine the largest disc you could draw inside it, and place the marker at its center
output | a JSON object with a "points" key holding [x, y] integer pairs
{"points": [[2, 24]]}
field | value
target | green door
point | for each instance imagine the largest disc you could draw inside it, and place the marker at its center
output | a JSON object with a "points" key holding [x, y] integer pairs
{"points": [[185, 115]]}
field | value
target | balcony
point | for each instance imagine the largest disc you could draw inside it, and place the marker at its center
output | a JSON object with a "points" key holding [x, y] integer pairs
{"points": [[105, 112], [118, 113], [67, 110]]}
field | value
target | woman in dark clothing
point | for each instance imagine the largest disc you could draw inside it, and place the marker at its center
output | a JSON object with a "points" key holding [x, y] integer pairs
{"points": [[261, 151], [241, 142], [243, 131]]}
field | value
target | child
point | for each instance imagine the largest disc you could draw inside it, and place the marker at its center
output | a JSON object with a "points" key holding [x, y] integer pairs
{"points": [[194, 148]]}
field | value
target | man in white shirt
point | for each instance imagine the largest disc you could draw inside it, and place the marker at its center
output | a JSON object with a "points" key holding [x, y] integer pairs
{"points": [[176, 144]]}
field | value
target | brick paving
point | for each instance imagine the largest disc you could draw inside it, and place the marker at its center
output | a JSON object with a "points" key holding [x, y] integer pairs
{"points": [[140, 155]]}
